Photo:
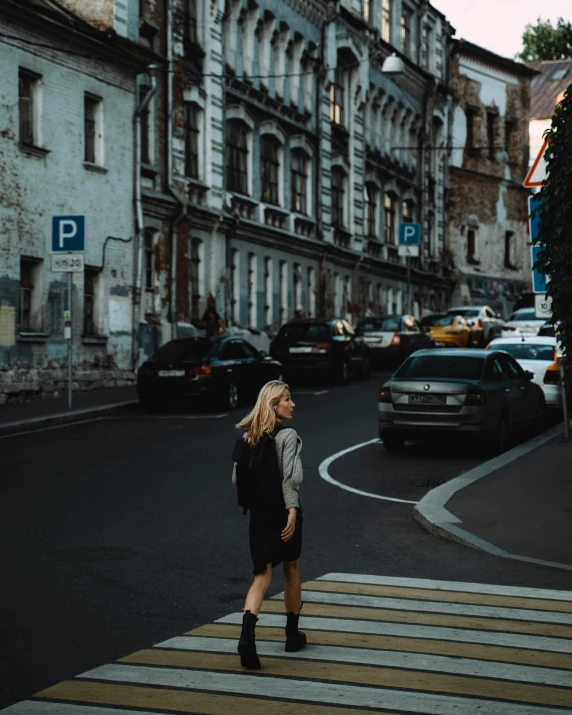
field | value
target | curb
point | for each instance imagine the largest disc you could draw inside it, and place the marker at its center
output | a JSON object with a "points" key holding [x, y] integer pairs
{"points": [[62, 418], [431, 513]]}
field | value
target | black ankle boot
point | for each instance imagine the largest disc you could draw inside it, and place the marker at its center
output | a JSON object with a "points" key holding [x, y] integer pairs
{"points": [[295, 639], [247, 644]]}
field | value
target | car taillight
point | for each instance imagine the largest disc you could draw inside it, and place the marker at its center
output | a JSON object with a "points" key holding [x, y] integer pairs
{"points": [[324, 346], [552, 376], [396, 339], [202, 370], [384, 395], [475, 397], [145, 371], [479, 323]]}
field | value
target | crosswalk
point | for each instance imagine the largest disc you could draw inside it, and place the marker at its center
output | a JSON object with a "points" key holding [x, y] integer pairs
{"points": [[376, 644]]}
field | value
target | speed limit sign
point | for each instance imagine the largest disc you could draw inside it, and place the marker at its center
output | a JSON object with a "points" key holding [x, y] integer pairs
{"points": [[543, 306]]}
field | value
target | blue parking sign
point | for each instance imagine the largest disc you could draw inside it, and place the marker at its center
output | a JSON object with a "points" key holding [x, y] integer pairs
{"points": [[68, 233], [409, 234], [539, 279]]}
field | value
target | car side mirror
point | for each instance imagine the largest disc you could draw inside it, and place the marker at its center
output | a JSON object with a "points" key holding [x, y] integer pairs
{"points": [[263, 354], [529, 375]]}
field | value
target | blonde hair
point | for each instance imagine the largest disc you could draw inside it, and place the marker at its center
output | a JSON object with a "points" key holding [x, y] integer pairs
{"points": [[263, 418]]}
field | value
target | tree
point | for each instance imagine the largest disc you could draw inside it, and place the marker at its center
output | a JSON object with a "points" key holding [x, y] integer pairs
{"points": [[555, 222], [543, 42]]}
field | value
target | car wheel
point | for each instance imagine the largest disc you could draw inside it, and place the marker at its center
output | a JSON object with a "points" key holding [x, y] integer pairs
{"points": [[231, 398], [501, 437], [392, 441]]}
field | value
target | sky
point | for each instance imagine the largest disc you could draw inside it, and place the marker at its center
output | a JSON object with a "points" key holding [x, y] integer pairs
{"points": [[498, 24]]}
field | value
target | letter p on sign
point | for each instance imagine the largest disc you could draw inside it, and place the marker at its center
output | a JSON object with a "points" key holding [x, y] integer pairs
{"points": [[68, 233]]}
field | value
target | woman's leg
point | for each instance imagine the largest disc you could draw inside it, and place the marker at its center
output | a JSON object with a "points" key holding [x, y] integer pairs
{"points": [[257, 591], [292, 586]]}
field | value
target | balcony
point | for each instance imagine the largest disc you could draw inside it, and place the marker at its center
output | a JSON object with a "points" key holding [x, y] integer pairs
{"points": [[373, 248], [274, 216], [342, 238], [244, 206], [304, 226]]}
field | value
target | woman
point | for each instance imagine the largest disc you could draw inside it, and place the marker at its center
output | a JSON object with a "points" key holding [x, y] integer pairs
{"points": [[275, 532]]}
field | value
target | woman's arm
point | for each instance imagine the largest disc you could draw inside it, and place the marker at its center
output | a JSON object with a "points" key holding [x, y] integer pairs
{"points": [[291, 466]]}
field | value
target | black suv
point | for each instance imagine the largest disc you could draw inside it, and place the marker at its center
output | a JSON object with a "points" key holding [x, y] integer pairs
{"points": [[324, 345]]}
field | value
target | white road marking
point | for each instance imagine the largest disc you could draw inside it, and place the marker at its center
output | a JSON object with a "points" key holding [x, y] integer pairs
{"points": [[323, 469], [464, 635], [322, 392], [317, 692], [392, 659], [459, 586], [453, 609]]}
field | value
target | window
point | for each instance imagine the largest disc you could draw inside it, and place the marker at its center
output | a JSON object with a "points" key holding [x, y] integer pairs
{"points": [[252, 290], [235, 274], [299, 182], [338, 197], [406, 31], [233, 350], [197, 276], [389, 219], [337, 98], [149, 259], [268, 291], [560, 74], [471, 246], [237, 157], [311, 292], [370, 210], [509, 250], [430, 233], [508, 132], [192, 129], [470, 116], [297, 283], [28, 88], [90, 281], [30, 295], [491, 126], [191, 34], [270, 169], [366, 10], [408, 212], [93, 130], [386, 20], [145, 126]]}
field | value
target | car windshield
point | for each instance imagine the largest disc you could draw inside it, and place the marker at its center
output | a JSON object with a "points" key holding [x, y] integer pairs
{"points": [[527, 351], [381, 325], [430, 320], [187, 349], [452, 367], [525, 314], [445, 320], [465, 312], [305, 331]]}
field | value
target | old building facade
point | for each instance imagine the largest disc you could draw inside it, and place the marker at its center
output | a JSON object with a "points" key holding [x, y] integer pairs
{"points": [[488, 228], [66, 151]]}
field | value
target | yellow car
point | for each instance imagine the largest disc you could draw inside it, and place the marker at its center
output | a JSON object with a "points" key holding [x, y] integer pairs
{"points": [[451, 331]]}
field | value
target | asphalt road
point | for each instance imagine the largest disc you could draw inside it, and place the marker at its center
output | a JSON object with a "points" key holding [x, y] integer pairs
{"points": [[120, 532]]}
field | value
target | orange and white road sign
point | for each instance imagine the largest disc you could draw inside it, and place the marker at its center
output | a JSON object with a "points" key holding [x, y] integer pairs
{"points": [[537, 172]]}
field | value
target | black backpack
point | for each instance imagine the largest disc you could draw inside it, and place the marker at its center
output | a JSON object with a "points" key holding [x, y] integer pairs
{"points": [[258, 478]]}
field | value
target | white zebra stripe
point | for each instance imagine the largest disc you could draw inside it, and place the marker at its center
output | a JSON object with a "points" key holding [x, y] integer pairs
{"points": [[314, 692], [384, 658], [511, 640], [43, 707], [452, 609], [460, 586]]}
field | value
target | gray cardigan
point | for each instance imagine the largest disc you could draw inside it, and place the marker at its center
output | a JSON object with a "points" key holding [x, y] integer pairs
{"points": [[288, 449]]}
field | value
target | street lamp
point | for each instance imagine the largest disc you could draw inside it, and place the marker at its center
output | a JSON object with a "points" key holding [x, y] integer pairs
{"points": [[393, 65]]}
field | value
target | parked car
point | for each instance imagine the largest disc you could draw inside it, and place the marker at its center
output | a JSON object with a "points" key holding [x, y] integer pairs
{"points": [[522, 322], [224, 370], [538, 355], [547, 330], [391, 338], [318, 345], [482, 317], [452, 331], [448, 391]]}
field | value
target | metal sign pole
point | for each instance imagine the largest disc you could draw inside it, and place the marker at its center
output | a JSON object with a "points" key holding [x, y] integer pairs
{"points": [[67, 334], [564, 401], [408, 283]]}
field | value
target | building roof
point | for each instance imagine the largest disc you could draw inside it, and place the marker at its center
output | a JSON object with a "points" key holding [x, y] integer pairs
{"points": [[468, 49], [547, 86]]}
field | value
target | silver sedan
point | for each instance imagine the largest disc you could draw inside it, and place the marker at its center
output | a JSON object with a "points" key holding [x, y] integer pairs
{"points": [[478, 392]]}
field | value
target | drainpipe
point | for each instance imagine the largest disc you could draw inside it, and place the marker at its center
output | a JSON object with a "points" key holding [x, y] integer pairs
{"points": [[139, 111], [179, 198]]}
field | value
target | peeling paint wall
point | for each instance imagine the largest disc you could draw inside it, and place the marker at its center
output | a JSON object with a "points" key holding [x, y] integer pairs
{"points": [[51, 179]]}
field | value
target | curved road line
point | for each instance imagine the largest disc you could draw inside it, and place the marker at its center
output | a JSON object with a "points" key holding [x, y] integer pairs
{"points": [[323, 469]]}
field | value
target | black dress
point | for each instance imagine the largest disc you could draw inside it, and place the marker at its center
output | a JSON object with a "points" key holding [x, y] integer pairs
{"points": [[266, 545]]}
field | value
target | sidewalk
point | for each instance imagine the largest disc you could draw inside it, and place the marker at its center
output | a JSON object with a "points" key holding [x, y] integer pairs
{"points": [[518, 505], [54, 410]]}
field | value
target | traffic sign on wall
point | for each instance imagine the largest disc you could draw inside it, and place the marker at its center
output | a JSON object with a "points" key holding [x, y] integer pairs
{"points": [[68, 233]]}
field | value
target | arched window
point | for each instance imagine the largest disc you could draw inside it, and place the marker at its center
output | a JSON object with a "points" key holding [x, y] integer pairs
{"points": [[270, 156], [299, 185], [237, 156]]}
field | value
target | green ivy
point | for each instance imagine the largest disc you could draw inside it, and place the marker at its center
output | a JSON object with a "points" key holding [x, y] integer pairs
{"points": [[555, 220]]}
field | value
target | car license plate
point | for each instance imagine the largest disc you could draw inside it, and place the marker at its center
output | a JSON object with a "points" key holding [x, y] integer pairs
{"points": [[300, 350], [372, 339], [428, 399], [439, 343], [171, 373]]}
